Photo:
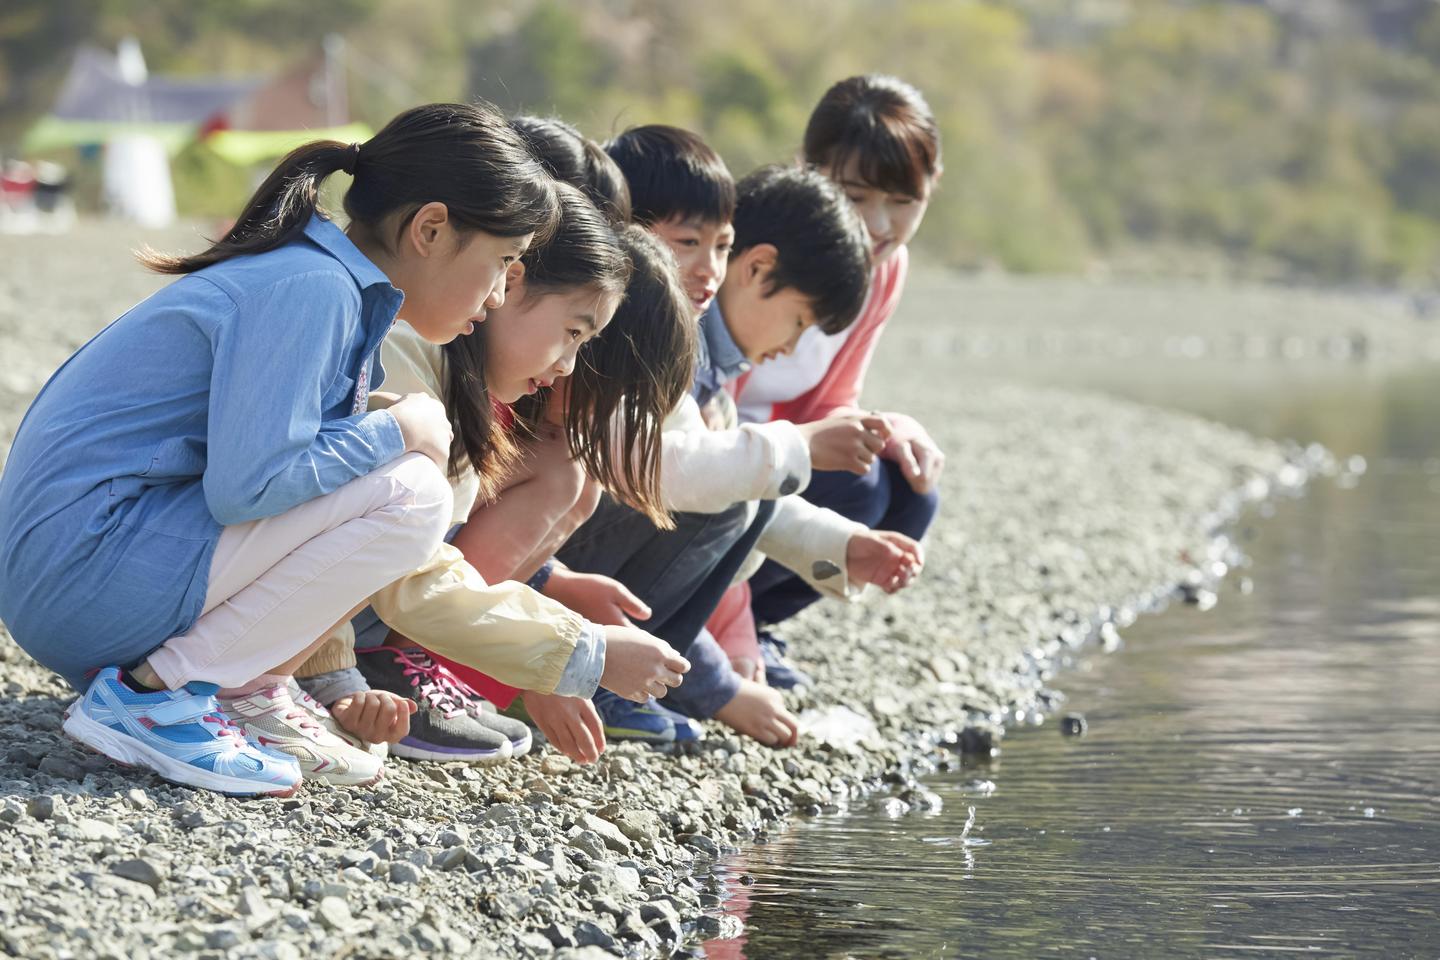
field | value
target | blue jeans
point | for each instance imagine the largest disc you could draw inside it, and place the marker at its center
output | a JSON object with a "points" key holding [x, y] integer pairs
{"points": [[881, 499], [681, 575]]}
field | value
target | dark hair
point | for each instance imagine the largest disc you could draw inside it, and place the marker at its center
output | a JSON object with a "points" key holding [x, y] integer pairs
{"points": [[582, 252], [628, 379], [673, 174], [822, 249], [463, 155], [882, 122], [571, 157]]}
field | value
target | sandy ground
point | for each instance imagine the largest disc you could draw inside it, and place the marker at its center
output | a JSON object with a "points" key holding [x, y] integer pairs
{"points": [[1063, 515]]}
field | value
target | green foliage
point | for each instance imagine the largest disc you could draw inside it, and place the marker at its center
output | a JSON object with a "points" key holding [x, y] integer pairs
{"points": [[1302, 134]]}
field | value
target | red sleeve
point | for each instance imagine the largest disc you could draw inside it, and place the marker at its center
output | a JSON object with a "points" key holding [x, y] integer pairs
{"points": [[840, 388]]}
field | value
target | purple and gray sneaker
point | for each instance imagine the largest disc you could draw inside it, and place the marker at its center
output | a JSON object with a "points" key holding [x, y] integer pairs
{"points": [[442, 728]]}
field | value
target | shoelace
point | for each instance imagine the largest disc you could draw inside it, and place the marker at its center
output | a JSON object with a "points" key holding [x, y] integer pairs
{"points": [[225, 727], [470, 698], [432, 682], [307, 723]]}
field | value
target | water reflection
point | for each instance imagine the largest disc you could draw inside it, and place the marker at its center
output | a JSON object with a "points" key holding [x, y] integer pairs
{"points": [[1257, 780]]}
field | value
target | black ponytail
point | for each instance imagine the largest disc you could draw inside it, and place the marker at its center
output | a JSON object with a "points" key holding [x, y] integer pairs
{"points": [[465, 156]]}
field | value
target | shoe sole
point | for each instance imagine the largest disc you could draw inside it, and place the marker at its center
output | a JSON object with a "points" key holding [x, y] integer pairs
{"points": [[127, 750], [343, 781], [638, 736], [417, 751], [518, 748]]}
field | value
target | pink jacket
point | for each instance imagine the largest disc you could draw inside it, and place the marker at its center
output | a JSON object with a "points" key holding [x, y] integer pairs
{"points": [[839, 389]]}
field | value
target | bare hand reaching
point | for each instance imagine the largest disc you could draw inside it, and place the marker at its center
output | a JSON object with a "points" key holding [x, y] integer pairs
{"points": [[570, 724], [639, 666], [849, 441], [887, 559]]}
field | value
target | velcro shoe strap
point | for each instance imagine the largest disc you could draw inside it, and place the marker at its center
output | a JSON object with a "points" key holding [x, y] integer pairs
{"points": [[182, 710]]}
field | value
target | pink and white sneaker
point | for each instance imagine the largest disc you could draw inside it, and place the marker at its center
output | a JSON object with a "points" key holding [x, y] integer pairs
{"points": [[271, 718], [326, 719]]}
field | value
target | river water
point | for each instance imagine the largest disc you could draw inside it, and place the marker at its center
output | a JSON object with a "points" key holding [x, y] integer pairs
{"points": [[1258, 779]]}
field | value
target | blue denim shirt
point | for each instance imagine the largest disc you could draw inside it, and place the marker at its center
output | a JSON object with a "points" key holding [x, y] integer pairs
{"points": [[235, 393], [719, 358]]}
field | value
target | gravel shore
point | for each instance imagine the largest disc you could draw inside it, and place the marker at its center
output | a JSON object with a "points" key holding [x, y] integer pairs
{"points": [[1064, 515]]}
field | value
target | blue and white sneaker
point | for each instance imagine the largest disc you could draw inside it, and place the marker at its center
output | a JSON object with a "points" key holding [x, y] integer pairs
{"points": [[180, 734], [686, 729], [647, 722], [780, 673]]}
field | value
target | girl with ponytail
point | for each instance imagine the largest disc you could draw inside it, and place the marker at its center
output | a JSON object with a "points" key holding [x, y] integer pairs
{"points": [[200, 492]]}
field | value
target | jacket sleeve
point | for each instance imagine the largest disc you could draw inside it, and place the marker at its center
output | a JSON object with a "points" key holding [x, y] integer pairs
{"points": [[812, 542], [412, 365], [705, 471], [506, 630], [268, 448]]}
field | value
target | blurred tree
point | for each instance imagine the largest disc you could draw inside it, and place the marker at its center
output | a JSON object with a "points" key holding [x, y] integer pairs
{"points": [[1299, 132]]}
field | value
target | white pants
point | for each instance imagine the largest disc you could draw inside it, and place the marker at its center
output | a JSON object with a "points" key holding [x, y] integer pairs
{"points": [[279, 584]]}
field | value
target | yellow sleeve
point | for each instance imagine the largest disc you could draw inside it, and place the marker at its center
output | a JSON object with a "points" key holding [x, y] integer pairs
{"points": [[412, 364], [415, 365]]}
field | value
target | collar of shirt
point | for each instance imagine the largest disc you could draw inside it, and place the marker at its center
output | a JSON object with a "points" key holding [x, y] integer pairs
{"points": [[381, 299], [720, 353], [333, 241]]}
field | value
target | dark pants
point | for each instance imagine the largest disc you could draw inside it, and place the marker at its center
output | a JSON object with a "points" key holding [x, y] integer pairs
{"points": [[681, 575], [881, 499]]}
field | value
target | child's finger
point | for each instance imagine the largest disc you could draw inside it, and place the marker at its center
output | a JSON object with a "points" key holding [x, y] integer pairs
{"points": [[677, 663], [595, 728], [785, 731], [877, 424], [401, 728], [584, 743], [909, 463], [631, 604]]}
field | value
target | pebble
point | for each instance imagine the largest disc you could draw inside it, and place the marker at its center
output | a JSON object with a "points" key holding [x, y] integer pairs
{"points": [[402, 871], [335, 914], [1073, 725], [141, 871]]}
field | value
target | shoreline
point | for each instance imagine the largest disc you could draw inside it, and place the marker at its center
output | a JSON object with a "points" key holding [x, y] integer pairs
{"points": [[1056, 507], [520, 859]]}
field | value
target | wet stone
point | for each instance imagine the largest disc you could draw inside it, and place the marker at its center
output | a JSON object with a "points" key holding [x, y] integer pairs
{"points": [[1073, 725]]}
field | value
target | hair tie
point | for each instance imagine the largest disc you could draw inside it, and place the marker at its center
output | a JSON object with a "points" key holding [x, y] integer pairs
{"points": [[352, 159]]}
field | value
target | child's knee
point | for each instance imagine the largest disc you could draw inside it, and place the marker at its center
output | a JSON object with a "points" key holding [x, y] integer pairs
{"points": [[566, 485], [423, 494], [913, 512]]}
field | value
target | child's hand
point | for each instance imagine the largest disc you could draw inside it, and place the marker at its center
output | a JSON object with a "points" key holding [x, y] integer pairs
{"points": [[920, 460], [639, 666], [848, 441], [375, 716], [749, 668], [570, 723], [424, 426], [885, 558], [597, 598], [759, 713]]}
